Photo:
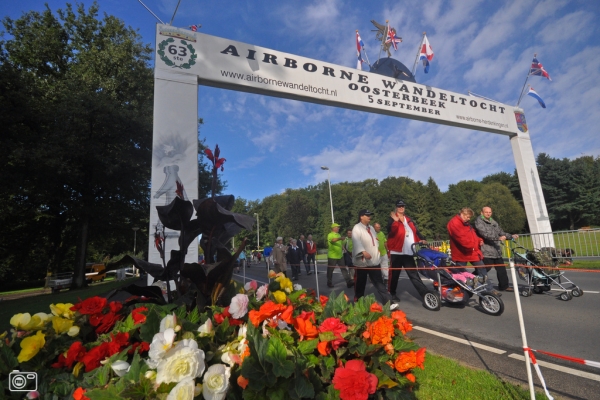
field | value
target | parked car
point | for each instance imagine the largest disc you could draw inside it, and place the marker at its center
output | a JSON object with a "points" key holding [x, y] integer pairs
{"points": [[95, 272]]}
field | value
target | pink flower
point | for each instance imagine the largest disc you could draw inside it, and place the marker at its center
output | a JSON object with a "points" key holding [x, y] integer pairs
{"points": [[262, 292], [239, 306], [252, 285]]}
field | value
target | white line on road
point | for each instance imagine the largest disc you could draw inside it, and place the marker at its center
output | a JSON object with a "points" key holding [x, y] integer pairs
{"points": [[585, 291], [459, 340], [568, 370]]}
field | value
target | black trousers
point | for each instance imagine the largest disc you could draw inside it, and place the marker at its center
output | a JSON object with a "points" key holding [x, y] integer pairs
{"points": [[405, 261], [360, 282], [500, 271], [310, 260]]}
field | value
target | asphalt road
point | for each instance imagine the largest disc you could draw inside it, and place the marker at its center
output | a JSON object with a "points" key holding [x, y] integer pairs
{"points": [[564, 327]]}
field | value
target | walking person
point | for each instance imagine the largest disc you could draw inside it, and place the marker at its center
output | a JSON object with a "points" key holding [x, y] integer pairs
{"points": [[347, 249], [302, 246], [465, 245], [267, 252], [311, 252], [365, 255], [492, 234], [279, 259], [294, 257], [334, 256]]}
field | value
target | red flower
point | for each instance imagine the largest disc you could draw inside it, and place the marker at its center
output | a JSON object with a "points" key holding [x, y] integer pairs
{"points": [[323, 300], [242, 382], [138, 317], [354, 382], [93, 305], [219, 318], [107, 322], [75, 353], [376, 307], [179, 190], [93, 357], [78, 394], [140, 347], [337, 327], [117, 343], [115, 306]]}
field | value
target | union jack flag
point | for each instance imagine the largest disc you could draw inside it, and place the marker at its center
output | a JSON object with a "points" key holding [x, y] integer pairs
{"points": [[391, 37], [195, 27], [538, 69]]}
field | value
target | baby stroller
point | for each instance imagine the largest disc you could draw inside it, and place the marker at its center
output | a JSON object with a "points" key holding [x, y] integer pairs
{"points": [[438, 267], [539, 269]]}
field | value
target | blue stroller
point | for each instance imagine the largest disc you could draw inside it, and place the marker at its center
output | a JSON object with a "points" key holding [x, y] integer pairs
{"points": [[438, 267]]}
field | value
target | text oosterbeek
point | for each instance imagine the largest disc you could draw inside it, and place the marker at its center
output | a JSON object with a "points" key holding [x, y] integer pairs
{"points": [[393, 90]]}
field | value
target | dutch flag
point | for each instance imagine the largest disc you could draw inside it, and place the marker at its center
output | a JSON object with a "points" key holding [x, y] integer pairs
{"points": [[536, 96]]}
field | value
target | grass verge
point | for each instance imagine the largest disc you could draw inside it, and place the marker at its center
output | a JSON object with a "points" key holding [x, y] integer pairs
{"points": [[41, 303], [446, 379]]}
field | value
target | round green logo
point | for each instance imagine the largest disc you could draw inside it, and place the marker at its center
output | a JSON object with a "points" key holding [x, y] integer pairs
{"points": [[177, 55]]}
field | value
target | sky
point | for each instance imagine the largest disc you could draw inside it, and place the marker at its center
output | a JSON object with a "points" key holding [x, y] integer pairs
{"points": [[481, 46]]}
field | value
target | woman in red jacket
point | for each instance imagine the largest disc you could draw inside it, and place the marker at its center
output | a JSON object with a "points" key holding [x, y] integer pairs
{"points": [[465, 244]]}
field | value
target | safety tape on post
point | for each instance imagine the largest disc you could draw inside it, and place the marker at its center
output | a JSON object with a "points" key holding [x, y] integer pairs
{"points": [[538, 371], [568, 358]]}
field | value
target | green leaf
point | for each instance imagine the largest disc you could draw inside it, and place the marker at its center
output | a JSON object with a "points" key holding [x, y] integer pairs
{"points": [[384, 380], [277, 356], [326, 336], [327, 366], [108, 393], [194, 316], [308, 346], [8, 360], [300, 387], [151, 326], [140, 391], [277, 393], [259, 375], [389, 371], [134, 369]]}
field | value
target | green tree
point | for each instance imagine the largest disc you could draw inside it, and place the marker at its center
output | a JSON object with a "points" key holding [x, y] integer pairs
{"points": [[505, 208], [80, 147]]}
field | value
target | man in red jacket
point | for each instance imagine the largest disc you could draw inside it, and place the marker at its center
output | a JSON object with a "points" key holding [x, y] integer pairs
{"points": [[465, 244], [402, 233]]}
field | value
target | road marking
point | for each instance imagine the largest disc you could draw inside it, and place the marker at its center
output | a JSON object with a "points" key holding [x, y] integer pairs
{"points": [[585, 291], [560, 368], [459, 340]]}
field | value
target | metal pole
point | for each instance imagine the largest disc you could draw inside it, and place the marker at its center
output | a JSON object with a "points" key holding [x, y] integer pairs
{"points": [[526, 79], [513, 275], [316, 277], [135, 229], [417, 57]]}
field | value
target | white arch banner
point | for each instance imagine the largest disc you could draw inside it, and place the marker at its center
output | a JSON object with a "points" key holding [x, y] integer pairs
{"points": [[186, 59]]}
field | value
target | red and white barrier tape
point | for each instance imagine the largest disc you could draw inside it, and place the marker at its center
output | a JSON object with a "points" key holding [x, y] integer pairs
{"points": [[572, 359], [537, 370]]}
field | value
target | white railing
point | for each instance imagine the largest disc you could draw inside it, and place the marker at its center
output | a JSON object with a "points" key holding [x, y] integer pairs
{"points": [[582, 243]]}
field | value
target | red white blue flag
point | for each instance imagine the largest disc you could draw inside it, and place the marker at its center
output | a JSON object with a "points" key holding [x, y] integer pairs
{"points": [[359, 45], [536, 96], [391, 37], [426, 54], [538, 69], [194, 27]]}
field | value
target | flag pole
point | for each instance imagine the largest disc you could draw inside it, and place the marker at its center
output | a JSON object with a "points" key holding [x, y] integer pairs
{"points": [[417, 57], [385, 32], [526, 79]]}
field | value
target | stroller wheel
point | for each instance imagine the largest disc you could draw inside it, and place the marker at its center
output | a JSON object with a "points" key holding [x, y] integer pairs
{"points": [[538, 290], [431, 301], [526, 292], [566, 296], [577, 292], [491, 304]]}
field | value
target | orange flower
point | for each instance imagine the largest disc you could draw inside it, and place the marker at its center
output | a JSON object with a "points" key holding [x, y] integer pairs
{"points": [[376, 307], [267, 310], [78, 394], [410, 377], [409, 360], [305, 327], [287, 314], [380, 331], [323, 300], [242, 382], [401, 322], [324, 348], [389, 348]]}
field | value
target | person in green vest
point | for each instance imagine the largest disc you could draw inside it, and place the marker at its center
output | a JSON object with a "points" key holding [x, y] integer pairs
{"points": [[334, 256], [347, 248], [383, 252]]}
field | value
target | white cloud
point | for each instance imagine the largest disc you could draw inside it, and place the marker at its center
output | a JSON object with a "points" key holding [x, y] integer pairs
{"points": [[573, 28]]}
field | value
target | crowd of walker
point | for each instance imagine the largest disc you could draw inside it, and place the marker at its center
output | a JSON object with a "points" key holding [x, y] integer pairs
{"points": [[366, 251]]}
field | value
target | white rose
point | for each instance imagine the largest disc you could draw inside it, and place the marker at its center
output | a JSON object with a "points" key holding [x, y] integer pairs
{"points": [[170, 321], [120, 367], [184, 390], [297, 286], [239, 306], [73, 331], [206, 328], [216, 382], [184, 360]]}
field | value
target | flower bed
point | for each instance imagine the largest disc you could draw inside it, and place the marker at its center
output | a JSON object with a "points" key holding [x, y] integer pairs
{"points": [[277, 341]]}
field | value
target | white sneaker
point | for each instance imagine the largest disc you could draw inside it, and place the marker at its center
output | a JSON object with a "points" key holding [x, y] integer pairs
{"points": [[394, 306]]}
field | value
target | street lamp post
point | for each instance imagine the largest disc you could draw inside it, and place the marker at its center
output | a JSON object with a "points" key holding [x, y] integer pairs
{"points": [[330, 199], [135, 229], [257, 232]]}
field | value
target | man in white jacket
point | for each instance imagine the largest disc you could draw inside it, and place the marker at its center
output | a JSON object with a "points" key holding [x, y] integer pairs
{"points": [[365, 253]]}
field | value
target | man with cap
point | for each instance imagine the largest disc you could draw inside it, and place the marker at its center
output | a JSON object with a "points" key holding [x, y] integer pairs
{"points": [[334, 256], [402, 233], [365, 256]]}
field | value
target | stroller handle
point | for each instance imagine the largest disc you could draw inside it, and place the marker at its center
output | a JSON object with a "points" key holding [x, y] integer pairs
{"points": [[418, 246]]}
